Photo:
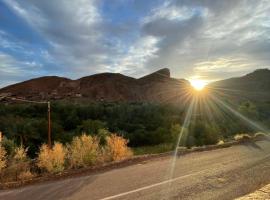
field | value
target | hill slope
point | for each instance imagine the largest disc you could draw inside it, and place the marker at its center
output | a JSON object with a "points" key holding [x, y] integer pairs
{"points": [[253, 86], [156, 87], [111, 87]]}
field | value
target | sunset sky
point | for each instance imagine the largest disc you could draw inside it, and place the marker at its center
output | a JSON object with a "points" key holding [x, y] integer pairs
{"points": [[205, 39]]}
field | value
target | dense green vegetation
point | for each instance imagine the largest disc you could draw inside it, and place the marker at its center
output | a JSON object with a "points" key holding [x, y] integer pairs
{"points": [[142, 124]]}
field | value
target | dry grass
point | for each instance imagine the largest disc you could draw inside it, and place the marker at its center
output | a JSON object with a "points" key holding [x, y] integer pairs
{"points": [[15, 170], [117, 149], [260, 135], [52, 160], [3, 158], [220, 142], [17, 167], [242, 137], [25, 175], [20, 153], [83, 151]]}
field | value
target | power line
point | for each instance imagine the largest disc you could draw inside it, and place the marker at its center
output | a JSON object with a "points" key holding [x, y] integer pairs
{"points": [[38, 102], [25, 100]]}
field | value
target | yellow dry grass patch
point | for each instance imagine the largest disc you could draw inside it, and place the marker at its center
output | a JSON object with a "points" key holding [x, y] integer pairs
{"points": [[52, 160], [117, 148], [220, 142], [83, 151], [239, 137], [3, 158], [20, 153]]}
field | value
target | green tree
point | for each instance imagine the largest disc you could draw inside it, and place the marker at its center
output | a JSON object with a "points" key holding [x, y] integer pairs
{"points": [[91, 126], [249, 110]]}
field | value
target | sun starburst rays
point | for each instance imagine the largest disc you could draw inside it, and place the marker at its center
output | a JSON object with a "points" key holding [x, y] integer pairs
{"points": [[205, 103]]}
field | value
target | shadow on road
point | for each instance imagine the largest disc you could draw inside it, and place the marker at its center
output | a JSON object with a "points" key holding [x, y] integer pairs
{"points": [[251, 144], [51, 191]]}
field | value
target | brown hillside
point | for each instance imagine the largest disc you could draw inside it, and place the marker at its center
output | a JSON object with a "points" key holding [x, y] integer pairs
{"points": [[110, 87]]}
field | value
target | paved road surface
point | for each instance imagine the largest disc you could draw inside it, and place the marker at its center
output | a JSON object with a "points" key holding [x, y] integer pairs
{"points": [[219, 174]]}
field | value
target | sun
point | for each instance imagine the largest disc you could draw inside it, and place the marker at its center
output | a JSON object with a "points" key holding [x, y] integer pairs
{"points": [[198, 84]]}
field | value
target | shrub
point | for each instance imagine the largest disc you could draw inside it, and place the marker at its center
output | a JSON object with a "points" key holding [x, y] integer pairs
{"points": [[25, 175], [52, 160], [20, 153], [102, 135], [83, 151], [260, 136], [3, 158], [117, 149], [9, 174], [22, 164], [9, 146], [202, 133], [160, 148], [18, 166], [17, 169], [242, 137], [92, 126], [220, 142]]}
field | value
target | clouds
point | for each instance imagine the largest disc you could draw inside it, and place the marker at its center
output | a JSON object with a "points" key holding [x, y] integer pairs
{"points": [[80, 39], [137, 55], [223, 67], [175, 39], [12, 70], [70, 28], [210, 38], [192, 38]]}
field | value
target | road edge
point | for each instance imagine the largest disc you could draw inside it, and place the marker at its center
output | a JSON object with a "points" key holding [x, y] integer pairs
{"points": [[71, 173], [260, 194]]}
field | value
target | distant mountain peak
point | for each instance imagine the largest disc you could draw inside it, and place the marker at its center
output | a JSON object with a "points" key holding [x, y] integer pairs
{"points": [[259, 73], [165, 72], [262, 70], [253, 86], [158, 75]]}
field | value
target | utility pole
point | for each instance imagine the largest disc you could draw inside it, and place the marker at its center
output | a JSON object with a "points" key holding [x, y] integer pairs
{"points": [[31, 101], [49, 126]]}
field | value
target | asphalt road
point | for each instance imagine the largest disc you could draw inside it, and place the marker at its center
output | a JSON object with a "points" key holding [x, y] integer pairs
{"points": [[219, 174]]}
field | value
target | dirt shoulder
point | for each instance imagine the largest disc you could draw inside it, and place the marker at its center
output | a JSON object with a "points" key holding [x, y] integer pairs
{"points": [[261, 194]]}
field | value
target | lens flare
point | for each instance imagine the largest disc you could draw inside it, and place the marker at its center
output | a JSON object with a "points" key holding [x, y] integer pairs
{"points": [[198, 84], [253, 124], [180, 135]]}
